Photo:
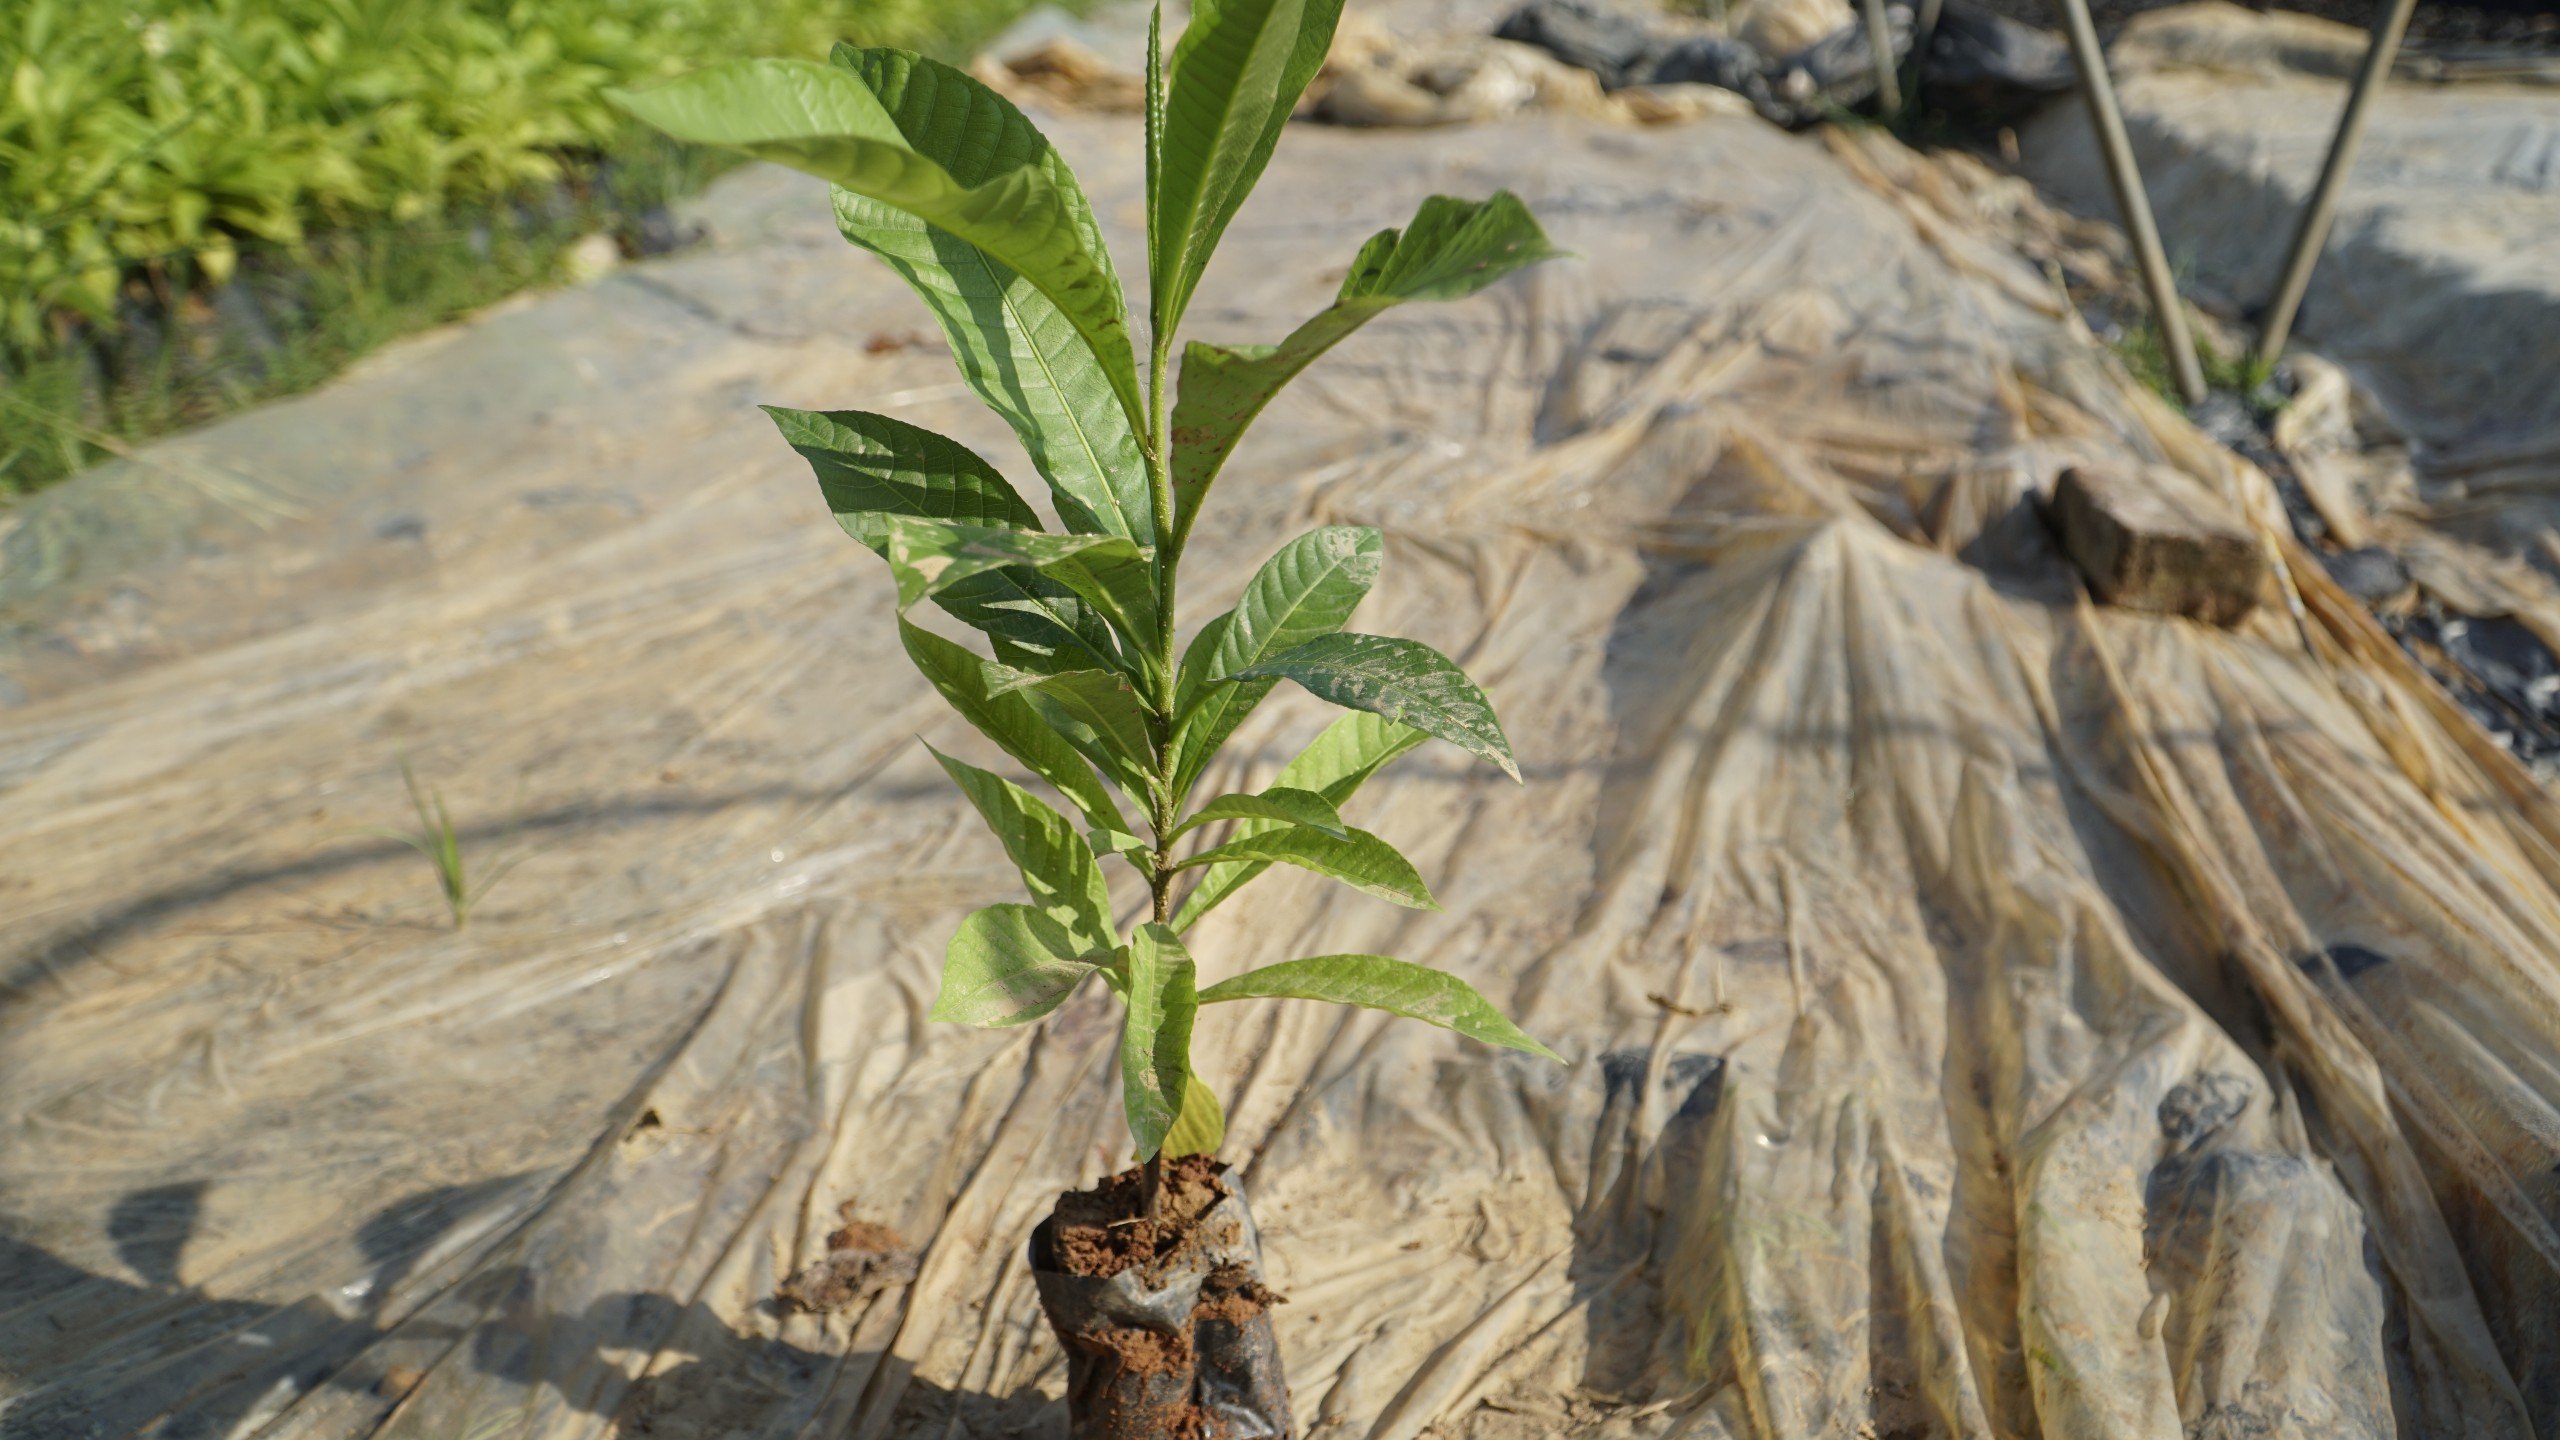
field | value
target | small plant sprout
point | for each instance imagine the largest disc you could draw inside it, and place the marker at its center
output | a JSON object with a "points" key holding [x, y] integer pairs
{"points": [[1082, 682], [436, 839]]}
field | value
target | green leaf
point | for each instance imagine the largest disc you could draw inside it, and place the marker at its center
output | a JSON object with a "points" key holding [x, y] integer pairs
{"points": [[1104, 707], [1155, 1039], [1452, 249], [827, 120], [973, 687], [1201, 1127], [1120, 583], [1033, 622], [1057, 868], [1090, 743], [1104, 572], [1120, 842], [1305, 590], [1155, 129], [1289, 807], [930, 556], [1376, 982], [1358, 859], [1334, 765], [1404, 680], [868, 464], [1194, 672], [1007, 965], [1013, 345], [1236, 74], [1354, 747]]}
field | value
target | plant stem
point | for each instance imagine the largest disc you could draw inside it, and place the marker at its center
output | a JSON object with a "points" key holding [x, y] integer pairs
{"points": [[1160, 498], [1159, 449]]}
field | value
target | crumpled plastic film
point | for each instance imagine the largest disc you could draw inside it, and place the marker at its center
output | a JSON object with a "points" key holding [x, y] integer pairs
{"points": [[1989, 1014]]}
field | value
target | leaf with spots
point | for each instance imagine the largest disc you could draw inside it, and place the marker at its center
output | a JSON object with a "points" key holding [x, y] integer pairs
{"points": [[1402, 680], [1201, 1126]]}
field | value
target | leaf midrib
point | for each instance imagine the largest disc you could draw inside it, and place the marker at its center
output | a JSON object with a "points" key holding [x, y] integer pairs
{"points": [[1180, 299], [1048, 373]]}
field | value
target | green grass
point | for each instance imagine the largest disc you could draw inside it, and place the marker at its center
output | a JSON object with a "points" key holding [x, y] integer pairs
{"points": [[438, 840], [2144, 354], [358, 169], [321, 304]]}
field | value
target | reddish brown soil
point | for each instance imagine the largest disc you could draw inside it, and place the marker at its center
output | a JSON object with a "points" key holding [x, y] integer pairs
{"points": [[1148, 1352], [864, 1257], [1234, 1296], [1103, 1231], [868, 1235]]}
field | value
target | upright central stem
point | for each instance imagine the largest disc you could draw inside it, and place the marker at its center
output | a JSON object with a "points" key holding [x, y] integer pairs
{"points": [[1159, 450], [1159, 454]]}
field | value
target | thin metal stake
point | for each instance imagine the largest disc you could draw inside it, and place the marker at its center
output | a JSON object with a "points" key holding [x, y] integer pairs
{"points": [[1880, 41], [2131, 202], [2322, 209]]}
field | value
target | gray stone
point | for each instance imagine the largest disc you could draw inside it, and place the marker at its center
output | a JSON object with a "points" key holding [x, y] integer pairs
{"points": [[1610, 41], [1989, 69], [2156, 540], [2371, 574]]}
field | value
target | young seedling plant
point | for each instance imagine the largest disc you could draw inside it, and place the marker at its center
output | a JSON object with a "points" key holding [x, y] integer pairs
{"points": [[438, 840], [1082, 682]]}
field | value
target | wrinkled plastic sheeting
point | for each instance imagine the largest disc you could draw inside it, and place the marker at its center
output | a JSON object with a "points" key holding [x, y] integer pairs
{"points": [[2440, 283], [1989, 1015]]}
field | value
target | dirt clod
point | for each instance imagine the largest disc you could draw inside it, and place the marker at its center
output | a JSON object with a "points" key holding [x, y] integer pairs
{"points": [[398, 1380], [1146, 1352], [1103, 1231], [1233, 1295], [864, 1257], [867, 1235]]}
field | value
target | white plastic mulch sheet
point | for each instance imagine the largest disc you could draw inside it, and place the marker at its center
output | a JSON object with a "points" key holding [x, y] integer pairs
{"points": [[1989, 1015]]}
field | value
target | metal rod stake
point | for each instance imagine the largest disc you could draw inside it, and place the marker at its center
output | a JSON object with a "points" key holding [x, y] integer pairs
{"points": [[1880, 41], [2126, 180], [2321, 210]]}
